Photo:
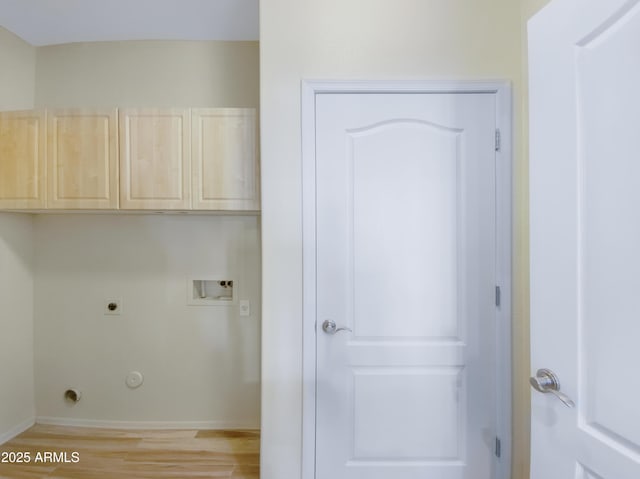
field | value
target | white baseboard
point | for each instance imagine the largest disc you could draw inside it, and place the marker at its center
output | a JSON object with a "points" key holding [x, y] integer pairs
{"points": [[18, 429], [107, 424]]}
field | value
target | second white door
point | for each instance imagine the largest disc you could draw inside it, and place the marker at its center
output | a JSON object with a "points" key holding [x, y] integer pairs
{"points": [[585, 233], [406, 264]]}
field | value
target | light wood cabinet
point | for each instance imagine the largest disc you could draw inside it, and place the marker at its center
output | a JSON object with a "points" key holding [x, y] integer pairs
{"points": [[132, 159], [155, 153], [225, 160], [82, 159], [22, 160]]}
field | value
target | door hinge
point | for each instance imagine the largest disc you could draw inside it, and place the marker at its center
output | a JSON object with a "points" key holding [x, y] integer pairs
{"points": [[498, 140], [498, 450], [498, 295]]}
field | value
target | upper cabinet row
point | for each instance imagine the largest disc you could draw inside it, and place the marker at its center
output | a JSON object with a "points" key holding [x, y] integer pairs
{"points": [[134, 159]]}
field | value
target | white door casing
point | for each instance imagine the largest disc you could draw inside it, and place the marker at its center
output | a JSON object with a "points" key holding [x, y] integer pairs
{"points": [[585, 230], [403, 245]]}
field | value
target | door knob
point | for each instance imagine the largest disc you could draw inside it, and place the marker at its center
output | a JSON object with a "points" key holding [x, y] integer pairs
{"points": [[330, 327], [546, 381]]}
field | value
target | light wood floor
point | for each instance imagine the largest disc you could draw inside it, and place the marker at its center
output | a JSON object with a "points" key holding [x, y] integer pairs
{"points": [[111, 453]]}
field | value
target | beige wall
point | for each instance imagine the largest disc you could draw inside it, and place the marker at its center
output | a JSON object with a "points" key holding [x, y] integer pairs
{"points": [[148, 73], [16, 324], [521, 412], [361, 39], [17, 81], [16, 259], [201, 363]]}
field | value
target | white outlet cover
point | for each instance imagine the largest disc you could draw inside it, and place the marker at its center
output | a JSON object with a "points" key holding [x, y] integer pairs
{"points": [[245, 307], [134, 379]]}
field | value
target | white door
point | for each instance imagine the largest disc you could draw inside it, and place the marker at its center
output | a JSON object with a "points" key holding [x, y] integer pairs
{"points": [[585, 237], [406, 254]]}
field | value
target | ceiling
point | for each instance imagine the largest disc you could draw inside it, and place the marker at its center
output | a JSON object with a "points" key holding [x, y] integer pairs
{"points": [[49, 22]]}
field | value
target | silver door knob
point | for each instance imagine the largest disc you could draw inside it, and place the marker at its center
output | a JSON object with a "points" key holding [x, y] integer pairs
{"points": [[330, 327], [546, 381]]}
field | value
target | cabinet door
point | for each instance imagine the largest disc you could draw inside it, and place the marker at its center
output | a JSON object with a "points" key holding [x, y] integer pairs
{"points": [[22, 157], [225, 160], [155, 156], [82, 159]]}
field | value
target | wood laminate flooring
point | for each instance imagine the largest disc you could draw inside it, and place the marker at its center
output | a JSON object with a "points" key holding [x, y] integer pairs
{"points": [[132, 454]]}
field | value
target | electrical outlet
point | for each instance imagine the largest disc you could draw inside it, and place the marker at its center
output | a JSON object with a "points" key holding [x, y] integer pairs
{"points": [[245, 307], [113, 306]]}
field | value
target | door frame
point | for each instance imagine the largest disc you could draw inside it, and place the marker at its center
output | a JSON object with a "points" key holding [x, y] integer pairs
{"points": [[502, 91]]}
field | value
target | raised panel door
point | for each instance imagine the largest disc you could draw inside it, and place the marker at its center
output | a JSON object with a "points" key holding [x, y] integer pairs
{"points": [[225, 159], [22, 160], [155, 154], [585, 231], [82, 159], [406, 263]]}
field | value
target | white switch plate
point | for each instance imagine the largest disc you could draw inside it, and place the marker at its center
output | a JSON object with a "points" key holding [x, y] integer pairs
{"points": [[245, 307]]}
